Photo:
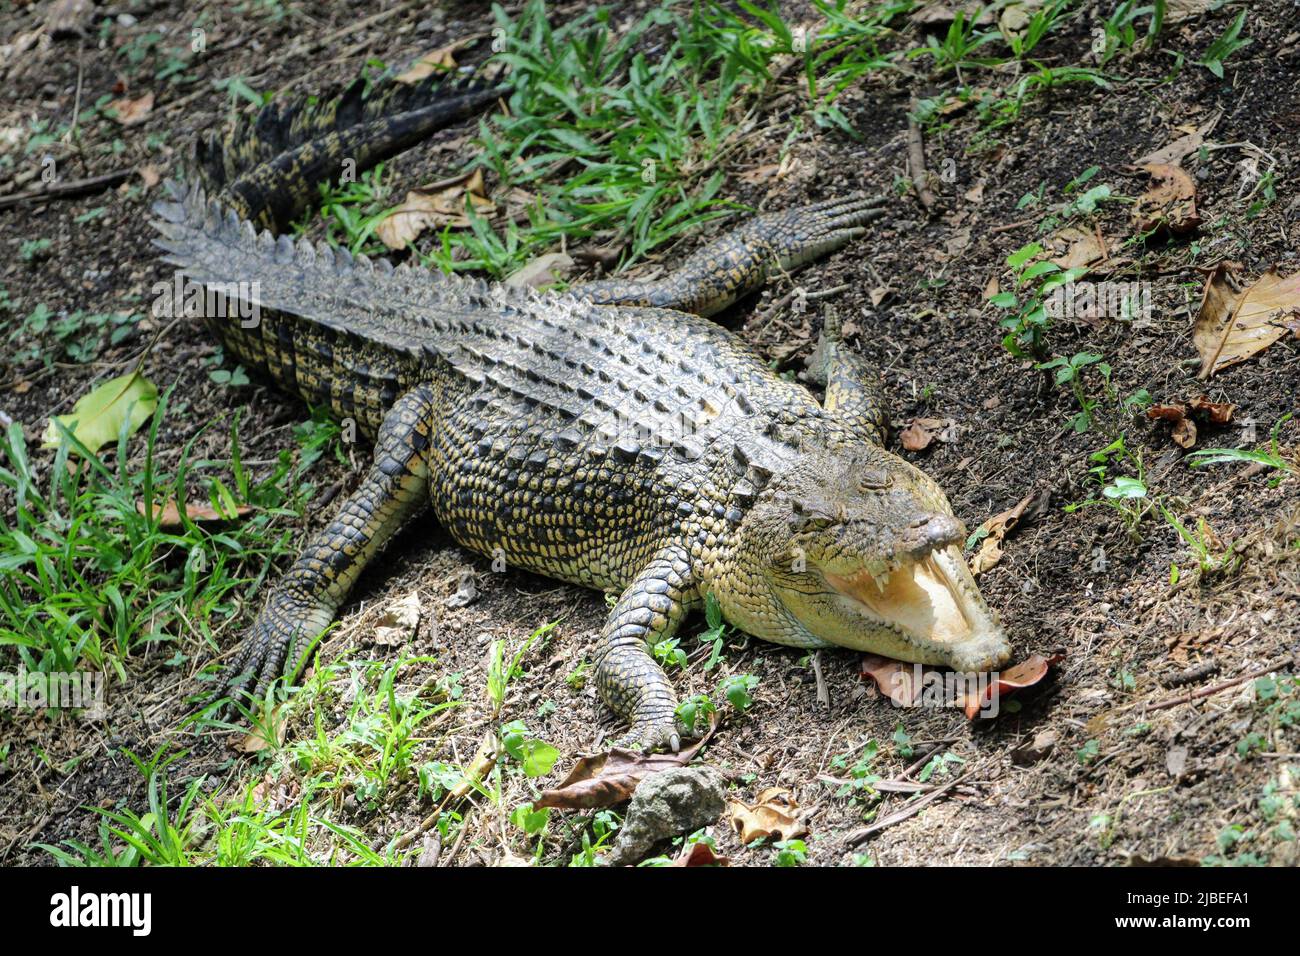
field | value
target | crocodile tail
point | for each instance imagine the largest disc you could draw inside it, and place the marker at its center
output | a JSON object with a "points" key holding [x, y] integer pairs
{"points": [[268, 169]]}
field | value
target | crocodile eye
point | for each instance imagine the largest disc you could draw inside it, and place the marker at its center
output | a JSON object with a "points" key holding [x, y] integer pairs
{"points": [[803, 518]]}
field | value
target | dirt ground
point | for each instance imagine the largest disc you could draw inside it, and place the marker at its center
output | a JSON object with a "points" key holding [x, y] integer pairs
{"points": [[1121, 774]]}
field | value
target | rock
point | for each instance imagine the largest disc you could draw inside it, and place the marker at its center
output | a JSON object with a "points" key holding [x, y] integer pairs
{"points": [[666, 805], [1042, 745]]}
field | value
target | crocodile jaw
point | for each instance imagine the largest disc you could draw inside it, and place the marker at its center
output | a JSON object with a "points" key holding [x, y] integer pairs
{"points": [[931, 612]]}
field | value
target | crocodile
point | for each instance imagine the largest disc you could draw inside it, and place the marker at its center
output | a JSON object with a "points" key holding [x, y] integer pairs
{"points": [[610, 435]]}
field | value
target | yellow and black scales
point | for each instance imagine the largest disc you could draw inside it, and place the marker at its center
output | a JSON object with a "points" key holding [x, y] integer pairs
{"points": [[609, 437]]}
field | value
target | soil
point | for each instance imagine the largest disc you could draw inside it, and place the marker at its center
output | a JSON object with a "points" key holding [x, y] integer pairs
{"points": [[1127, 777]]}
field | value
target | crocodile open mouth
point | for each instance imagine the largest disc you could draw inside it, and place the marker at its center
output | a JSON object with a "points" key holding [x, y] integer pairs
{"points": [[924, 598]]}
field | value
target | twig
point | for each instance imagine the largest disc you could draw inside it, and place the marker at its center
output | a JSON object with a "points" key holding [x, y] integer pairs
{"points": [[823, 695], [1208, 691], [906, 813], [916, 159], [76, 187], [1192, 674]]}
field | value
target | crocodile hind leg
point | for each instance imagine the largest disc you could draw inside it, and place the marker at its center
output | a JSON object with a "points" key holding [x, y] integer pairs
{"points": [[741, 261], [627, 677], [303, 602], [853, 387]]}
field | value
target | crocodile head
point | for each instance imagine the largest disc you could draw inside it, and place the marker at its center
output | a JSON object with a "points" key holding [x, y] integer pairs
{"points": [[858, 548]]}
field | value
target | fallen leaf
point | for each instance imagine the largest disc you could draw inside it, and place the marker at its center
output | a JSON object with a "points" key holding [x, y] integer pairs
{"points": [[1176, 11], [943, 14], [976, 193], [1220, 413], [1234, 325], [542, 271], [1015, 17], [760, 174], [149, 175], [1076, 248], [1169, 204], [895, 679], [996, 529], [169, 515], [423, 208], [604, 779], [1184, 430], [132, 112], [773, 814], [1025, 674], [918, 435], [399, 622], [98, 416], [274, 725], [700, 854], [440, 60], [1174, 153]]}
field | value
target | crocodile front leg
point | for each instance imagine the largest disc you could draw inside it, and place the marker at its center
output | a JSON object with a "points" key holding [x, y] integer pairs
{"points": [[627, 677], [853, 388], [304, 601], [741, 261]]}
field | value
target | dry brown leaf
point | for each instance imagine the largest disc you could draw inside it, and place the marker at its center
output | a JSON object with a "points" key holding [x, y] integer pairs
{"points": [[1169, 204], [774, 814], [440, 60], [1184, 431], [399, 622], [604, 779], [761, 174], [918, 435], [542, 271], [999, 526], [1077, 248], [1015, 17], [169, 516], [1174, 153], [132, 112], [976, 193], [439, 208], [1176, 11], [700, 854], [258, 739], [149, 175], [1234, 325], [1220, 413], [943, 14], [895, 679], [1025, 674]]}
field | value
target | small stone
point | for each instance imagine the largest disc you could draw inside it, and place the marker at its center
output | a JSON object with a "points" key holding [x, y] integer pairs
{"points": [[665, 805]]}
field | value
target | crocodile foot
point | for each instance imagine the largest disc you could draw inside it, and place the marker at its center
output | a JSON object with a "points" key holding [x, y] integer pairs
{"points": [[270, 650]]}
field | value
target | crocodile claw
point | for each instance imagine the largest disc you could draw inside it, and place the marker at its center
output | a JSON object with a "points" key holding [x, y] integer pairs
{"points": [[652, 736], [270, 650]]}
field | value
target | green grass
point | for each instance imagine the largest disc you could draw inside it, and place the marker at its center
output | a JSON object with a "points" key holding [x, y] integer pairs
{"points": [[89, 580]]}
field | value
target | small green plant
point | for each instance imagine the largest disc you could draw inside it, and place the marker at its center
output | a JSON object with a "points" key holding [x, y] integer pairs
{"points": [[1272, 458], [1126, 495], [789, 853], [695, 712], [738, 689], [1069, 371], [1089, 752], [715, 633], [1027, 321], [1225, 46]]}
